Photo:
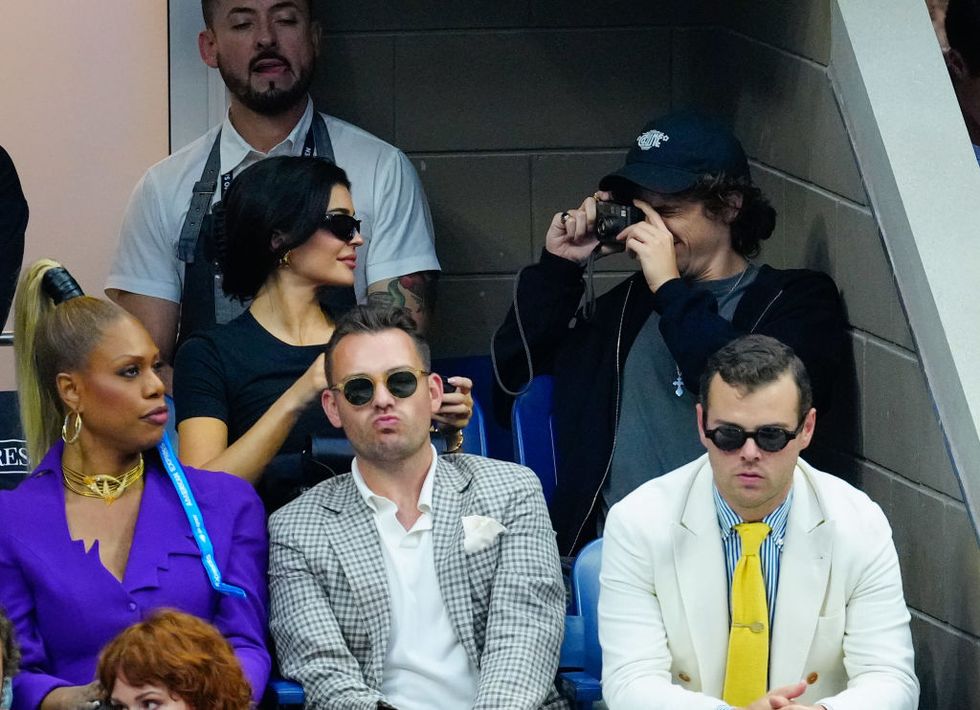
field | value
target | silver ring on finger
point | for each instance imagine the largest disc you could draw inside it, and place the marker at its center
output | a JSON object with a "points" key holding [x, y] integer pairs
{"points": [[564, 217]]}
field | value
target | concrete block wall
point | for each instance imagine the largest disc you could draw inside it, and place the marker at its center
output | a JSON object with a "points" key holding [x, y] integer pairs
{"points": [[512, 110]]}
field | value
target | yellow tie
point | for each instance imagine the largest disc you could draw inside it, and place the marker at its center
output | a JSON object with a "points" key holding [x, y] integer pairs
{"points": [[747, 670]]}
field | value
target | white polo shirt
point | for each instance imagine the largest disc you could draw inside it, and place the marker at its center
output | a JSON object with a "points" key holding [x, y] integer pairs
{"points": [[388, 198], [426, 666]]}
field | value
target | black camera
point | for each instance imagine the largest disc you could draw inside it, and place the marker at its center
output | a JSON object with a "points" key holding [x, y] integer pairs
{"points": [[611, 218]]}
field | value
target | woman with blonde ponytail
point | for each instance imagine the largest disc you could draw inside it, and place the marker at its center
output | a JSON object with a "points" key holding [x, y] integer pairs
{"points": [[97, 537], [67, 335]]}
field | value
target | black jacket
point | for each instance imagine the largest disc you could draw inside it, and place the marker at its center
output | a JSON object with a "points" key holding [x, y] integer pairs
{"points": [[799, 307]]}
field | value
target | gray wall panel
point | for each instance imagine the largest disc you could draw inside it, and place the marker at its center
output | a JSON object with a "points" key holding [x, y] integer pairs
{"points": [[528, 90], [481, 210]]}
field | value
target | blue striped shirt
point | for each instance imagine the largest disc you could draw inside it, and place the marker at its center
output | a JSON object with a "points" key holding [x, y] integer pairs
{"points": [[772, 546]]}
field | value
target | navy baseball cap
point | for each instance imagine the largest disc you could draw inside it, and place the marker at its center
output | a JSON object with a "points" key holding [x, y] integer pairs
{"points": [[673, 152]]}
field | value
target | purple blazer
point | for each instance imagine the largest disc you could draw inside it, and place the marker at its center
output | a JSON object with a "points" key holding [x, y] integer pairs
{"points": [[66, 606]]}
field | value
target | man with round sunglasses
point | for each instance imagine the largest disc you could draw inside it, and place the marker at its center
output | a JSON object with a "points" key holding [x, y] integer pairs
{"points": [[413, 581], [749, 579]]}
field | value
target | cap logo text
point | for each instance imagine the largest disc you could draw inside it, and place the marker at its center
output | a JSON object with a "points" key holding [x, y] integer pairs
{"points": [[651, 139]]}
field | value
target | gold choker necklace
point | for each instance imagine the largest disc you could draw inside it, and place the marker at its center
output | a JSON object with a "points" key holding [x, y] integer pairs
{"points": [[108, 488]]}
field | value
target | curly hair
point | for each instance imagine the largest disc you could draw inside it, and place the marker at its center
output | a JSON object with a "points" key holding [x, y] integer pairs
{"points": [[271, 207], [756, 218], [185, 655], [11, 653]]}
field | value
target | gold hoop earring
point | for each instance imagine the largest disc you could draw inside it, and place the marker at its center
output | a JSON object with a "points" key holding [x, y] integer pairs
{"points": [[76, 429], [284, 259]]}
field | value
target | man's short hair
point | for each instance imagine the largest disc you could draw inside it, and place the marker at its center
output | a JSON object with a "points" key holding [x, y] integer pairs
{"points": [[752, 361], [375, 319], [963, 31], [207, 9], [11, 653]]}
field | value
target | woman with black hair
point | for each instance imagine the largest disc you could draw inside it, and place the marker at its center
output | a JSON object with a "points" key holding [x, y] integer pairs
{"points": [[248, 392]]}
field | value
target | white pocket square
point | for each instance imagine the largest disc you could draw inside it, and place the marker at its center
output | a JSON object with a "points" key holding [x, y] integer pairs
{"points": [[479, 532]]}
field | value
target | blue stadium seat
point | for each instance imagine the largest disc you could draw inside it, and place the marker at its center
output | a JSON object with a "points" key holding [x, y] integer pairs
{"points": [[475, 433], [281, 693], [581, 656], [534, 437]]}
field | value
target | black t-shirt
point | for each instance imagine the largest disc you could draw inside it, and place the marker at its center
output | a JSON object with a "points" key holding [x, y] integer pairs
{"points": [[235, 372]]}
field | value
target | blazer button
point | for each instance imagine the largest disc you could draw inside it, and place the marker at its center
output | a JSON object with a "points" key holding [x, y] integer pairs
{"points": [[685, 678], [812, 678]]}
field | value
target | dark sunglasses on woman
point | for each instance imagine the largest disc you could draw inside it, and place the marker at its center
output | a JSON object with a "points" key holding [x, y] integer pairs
{"points": [[342, 226]]}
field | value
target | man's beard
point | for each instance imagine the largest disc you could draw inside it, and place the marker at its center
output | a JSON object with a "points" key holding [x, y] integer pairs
{"points": [[272, 101]]}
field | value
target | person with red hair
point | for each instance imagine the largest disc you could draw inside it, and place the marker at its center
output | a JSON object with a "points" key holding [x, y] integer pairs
{"points": [[172, 661]]}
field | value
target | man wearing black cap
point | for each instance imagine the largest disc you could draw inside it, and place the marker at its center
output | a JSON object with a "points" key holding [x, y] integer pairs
{"points": [[627, 365]]}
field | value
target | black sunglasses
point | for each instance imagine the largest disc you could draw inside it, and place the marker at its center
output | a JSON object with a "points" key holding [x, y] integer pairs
{"points": [[342, 226], [729, 437], [359, 389]]}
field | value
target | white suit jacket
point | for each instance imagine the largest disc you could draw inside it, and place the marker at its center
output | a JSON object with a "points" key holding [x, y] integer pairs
{"points": [[840, 615]]}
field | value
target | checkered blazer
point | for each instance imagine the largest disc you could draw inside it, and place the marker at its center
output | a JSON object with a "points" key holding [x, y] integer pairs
{"points": [[330, 610]]}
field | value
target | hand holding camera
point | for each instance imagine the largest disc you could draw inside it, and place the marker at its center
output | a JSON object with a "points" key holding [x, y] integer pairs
{"points": [[637, 228], [572, 234], [652, 243]]}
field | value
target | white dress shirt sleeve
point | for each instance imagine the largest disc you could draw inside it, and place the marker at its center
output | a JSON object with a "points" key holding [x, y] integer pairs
{"points": [[146, 259], [401, 236]]}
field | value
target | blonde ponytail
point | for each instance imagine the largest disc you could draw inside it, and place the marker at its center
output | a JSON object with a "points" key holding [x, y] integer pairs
{"points": [[49, 339]]}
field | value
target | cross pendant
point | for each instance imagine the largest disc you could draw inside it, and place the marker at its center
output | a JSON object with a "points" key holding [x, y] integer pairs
{"points": [[679, 384]]}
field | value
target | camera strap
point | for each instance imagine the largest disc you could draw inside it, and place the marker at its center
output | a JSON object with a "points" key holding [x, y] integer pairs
{"points": [[177, 476], [588, 305]]}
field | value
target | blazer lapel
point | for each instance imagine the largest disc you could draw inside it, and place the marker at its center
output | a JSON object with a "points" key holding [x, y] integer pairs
{"points": [[804, 571], [702, 580], [450, 559], [354, 538], [155, 537]]}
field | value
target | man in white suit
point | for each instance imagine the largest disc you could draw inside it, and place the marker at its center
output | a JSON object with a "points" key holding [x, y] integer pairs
{"points": [[830, 630]]}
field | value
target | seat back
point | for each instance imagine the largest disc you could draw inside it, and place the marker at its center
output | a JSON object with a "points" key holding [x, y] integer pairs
{"points": [[475, 433], [281, 693], [14, 464], [534, 438], [585, 587]]}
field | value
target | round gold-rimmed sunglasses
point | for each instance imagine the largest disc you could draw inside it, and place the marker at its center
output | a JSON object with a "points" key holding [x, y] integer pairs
{"points": [[359, 389]]}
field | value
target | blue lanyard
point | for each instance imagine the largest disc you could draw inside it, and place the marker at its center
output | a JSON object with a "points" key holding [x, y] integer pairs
{"points": [[194, 517]]}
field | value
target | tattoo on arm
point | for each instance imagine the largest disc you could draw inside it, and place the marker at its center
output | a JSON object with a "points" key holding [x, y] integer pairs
{"points": [[414, 292]]}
